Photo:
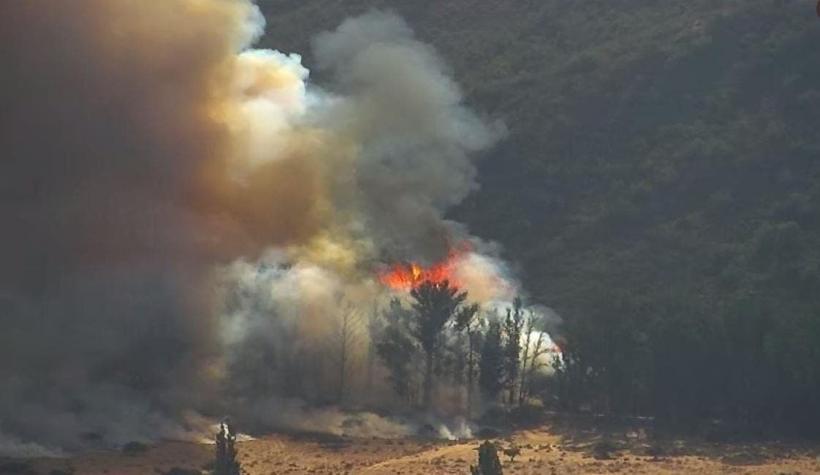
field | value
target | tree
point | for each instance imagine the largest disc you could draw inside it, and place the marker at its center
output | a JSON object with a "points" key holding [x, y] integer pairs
{"points": [[472, 327], [375, 327], [226, 463], [347, 335], [491, 366], [436, 304], [533, 351], [512, 347], [397, 350], [539, 349]]}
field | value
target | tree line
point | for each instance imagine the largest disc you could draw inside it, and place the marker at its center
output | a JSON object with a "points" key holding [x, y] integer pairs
{"points": [[748, 369], [441, 341], [751, 367]]}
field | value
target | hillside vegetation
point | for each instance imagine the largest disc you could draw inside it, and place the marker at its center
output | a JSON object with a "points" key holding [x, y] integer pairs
{"points": [[659, 188]]}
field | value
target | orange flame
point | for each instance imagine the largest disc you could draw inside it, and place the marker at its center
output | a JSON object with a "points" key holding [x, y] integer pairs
{"points": [[407, 276]]}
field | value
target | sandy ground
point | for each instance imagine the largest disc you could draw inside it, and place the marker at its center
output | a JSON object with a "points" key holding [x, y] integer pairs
{"points": [[543, 451]]}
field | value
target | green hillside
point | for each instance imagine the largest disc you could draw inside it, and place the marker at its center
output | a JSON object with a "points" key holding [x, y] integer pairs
{"points": [[660, 187]]}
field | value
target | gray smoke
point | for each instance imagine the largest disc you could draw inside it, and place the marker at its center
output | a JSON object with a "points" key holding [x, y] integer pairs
{"points": [[417, 138], [149, 170]]}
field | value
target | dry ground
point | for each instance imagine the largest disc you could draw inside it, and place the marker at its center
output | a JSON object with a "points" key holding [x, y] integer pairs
{"points": [[543, 451]]}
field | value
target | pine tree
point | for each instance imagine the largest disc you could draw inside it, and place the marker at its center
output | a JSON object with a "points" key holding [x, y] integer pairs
{"points": [[436, 304]]}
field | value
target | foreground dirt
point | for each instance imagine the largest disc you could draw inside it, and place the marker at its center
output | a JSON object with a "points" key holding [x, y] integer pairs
{"points": [[542, 452]]}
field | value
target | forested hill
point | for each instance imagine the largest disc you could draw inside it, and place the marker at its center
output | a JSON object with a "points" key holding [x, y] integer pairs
{"points": [[660, 186]]}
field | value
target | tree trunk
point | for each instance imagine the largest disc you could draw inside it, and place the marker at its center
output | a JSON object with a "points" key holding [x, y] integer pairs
{"points": [[523, 377], [470, 371], [428, 381]]}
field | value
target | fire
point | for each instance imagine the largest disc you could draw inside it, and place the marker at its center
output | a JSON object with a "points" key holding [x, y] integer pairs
{"points": [[409, 275], [406, 276]]}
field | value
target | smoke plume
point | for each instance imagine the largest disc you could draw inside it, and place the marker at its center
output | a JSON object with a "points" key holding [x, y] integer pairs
{"points": [[186, 218]]}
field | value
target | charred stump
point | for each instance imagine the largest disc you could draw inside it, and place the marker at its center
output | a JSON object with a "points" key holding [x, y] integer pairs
{"points": [[488, 463], [226, 462]]}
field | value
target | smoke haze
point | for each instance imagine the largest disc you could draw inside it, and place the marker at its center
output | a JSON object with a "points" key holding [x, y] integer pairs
{"points": [[182, 212]]}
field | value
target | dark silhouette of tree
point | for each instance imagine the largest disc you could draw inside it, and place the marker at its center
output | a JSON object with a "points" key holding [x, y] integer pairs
{"points": [[488, 463], [397, 350], [436, 304], [226, 463], [348, 336], [491, 366], [512, 347], [472, 326], [375, 328]]}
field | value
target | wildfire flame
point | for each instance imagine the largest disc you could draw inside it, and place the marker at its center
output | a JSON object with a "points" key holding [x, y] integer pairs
{"points": [[406, 276]]}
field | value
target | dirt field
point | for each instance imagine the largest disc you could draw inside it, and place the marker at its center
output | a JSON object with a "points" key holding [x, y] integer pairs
{"points": [[542, 452]]}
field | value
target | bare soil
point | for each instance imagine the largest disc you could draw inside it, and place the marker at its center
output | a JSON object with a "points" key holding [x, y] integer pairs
{"points": [[543, 451]]}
